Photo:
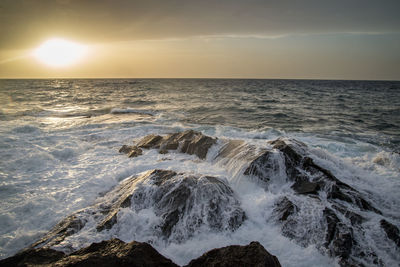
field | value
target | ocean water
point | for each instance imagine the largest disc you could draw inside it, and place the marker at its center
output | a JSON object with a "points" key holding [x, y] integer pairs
{"points": [[59, 142]]}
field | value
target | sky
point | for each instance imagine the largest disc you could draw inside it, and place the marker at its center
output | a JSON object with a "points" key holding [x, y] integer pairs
{"points": [[289, 39]]}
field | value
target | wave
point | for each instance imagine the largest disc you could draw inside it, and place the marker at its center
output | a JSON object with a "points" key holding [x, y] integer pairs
{"points": [[131, 110]]}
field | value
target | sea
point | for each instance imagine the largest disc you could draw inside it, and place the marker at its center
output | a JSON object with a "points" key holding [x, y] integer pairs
{"points": [[59, 142]]}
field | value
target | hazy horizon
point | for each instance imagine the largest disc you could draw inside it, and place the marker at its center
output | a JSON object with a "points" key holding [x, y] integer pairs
{"points": [[341, 40]]}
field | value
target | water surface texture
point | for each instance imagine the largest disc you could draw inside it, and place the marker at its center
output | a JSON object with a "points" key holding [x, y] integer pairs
{"points": [[59, 142]]}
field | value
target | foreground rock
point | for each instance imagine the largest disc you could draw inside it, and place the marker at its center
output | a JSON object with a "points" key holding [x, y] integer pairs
{"points": [[253, 254], [107, 253], [183, 203], [320, 210], [115, 252]]}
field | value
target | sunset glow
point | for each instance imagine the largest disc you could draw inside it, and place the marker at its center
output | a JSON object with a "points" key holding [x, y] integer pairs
{"points": [[59, 52]]}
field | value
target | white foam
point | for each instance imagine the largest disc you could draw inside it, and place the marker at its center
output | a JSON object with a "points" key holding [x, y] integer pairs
{"points": [[48, 174]]}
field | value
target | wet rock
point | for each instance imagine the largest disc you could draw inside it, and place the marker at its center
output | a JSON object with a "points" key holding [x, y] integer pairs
{"points": [[67, 227], [391, 231], [125, 149], [355, 218], [183, 202], [132, 151], [339, 238], [113, 252], [253, 254], [189, 142], [33, 257], [284, 208], [150, 141], [260, 167], [305, 187], [187, 202]]}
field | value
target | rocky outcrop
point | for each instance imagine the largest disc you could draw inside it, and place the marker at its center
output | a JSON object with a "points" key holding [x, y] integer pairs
{"points": [[183, 202], [253, 254], [321, 209], [189, 142], [107, 253], [316, 207], [115, 252]]}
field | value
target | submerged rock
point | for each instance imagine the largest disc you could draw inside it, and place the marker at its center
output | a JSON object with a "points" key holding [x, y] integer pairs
{"points": [[183, 203], [115, 252], [253, 254]]}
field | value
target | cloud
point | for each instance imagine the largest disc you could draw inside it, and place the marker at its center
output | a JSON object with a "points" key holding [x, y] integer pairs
{"points": [[26, 23]]}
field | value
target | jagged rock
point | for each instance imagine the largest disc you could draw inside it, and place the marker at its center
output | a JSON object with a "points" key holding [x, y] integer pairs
{"points": [[391, 231], [203, 200], [33, 257], [190, 142], [305, 187], [132, 151], [150, 141], [183, 202], [355, 218], [253, 254], [113, 252], [284, 208], [339, 238]]}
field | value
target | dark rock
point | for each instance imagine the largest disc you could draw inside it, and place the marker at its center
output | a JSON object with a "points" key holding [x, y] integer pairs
{"points": [[260, 167], [67, 227], [305, 187], [132, 151], [185, 203], [230, 149], [391, 231], [125, 149], [106, 253], [33, 257], [284, 208], [189, 142], [339, 238], [150, 141], [253, 254], [355, 218]]}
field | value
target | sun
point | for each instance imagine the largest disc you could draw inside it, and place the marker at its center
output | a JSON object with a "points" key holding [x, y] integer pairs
{"points": [[59, 52]]}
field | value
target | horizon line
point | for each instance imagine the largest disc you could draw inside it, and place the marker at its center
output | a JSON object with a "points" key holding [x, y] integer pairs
{"points": [[195, 78]]}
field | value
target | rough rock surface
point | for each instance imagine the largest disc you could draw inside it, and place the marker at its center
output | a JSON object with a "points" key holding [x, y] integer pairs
{"points": [[106, 253], [115, 252], [391, 231], [183, 202], [323, 211], [190, 142], [253, 254]]}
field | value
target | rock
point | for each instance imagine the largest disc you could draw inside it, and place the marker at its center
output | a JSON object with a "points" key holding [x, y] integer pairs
{"points": [[183, 202], [339, 238], [253, 254], [305, 187], [391, 231], [132, 151], [33, 257], [150, 141], [284, 208], [125, 149], [189, 142], [187, 202], [113, 252]]}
